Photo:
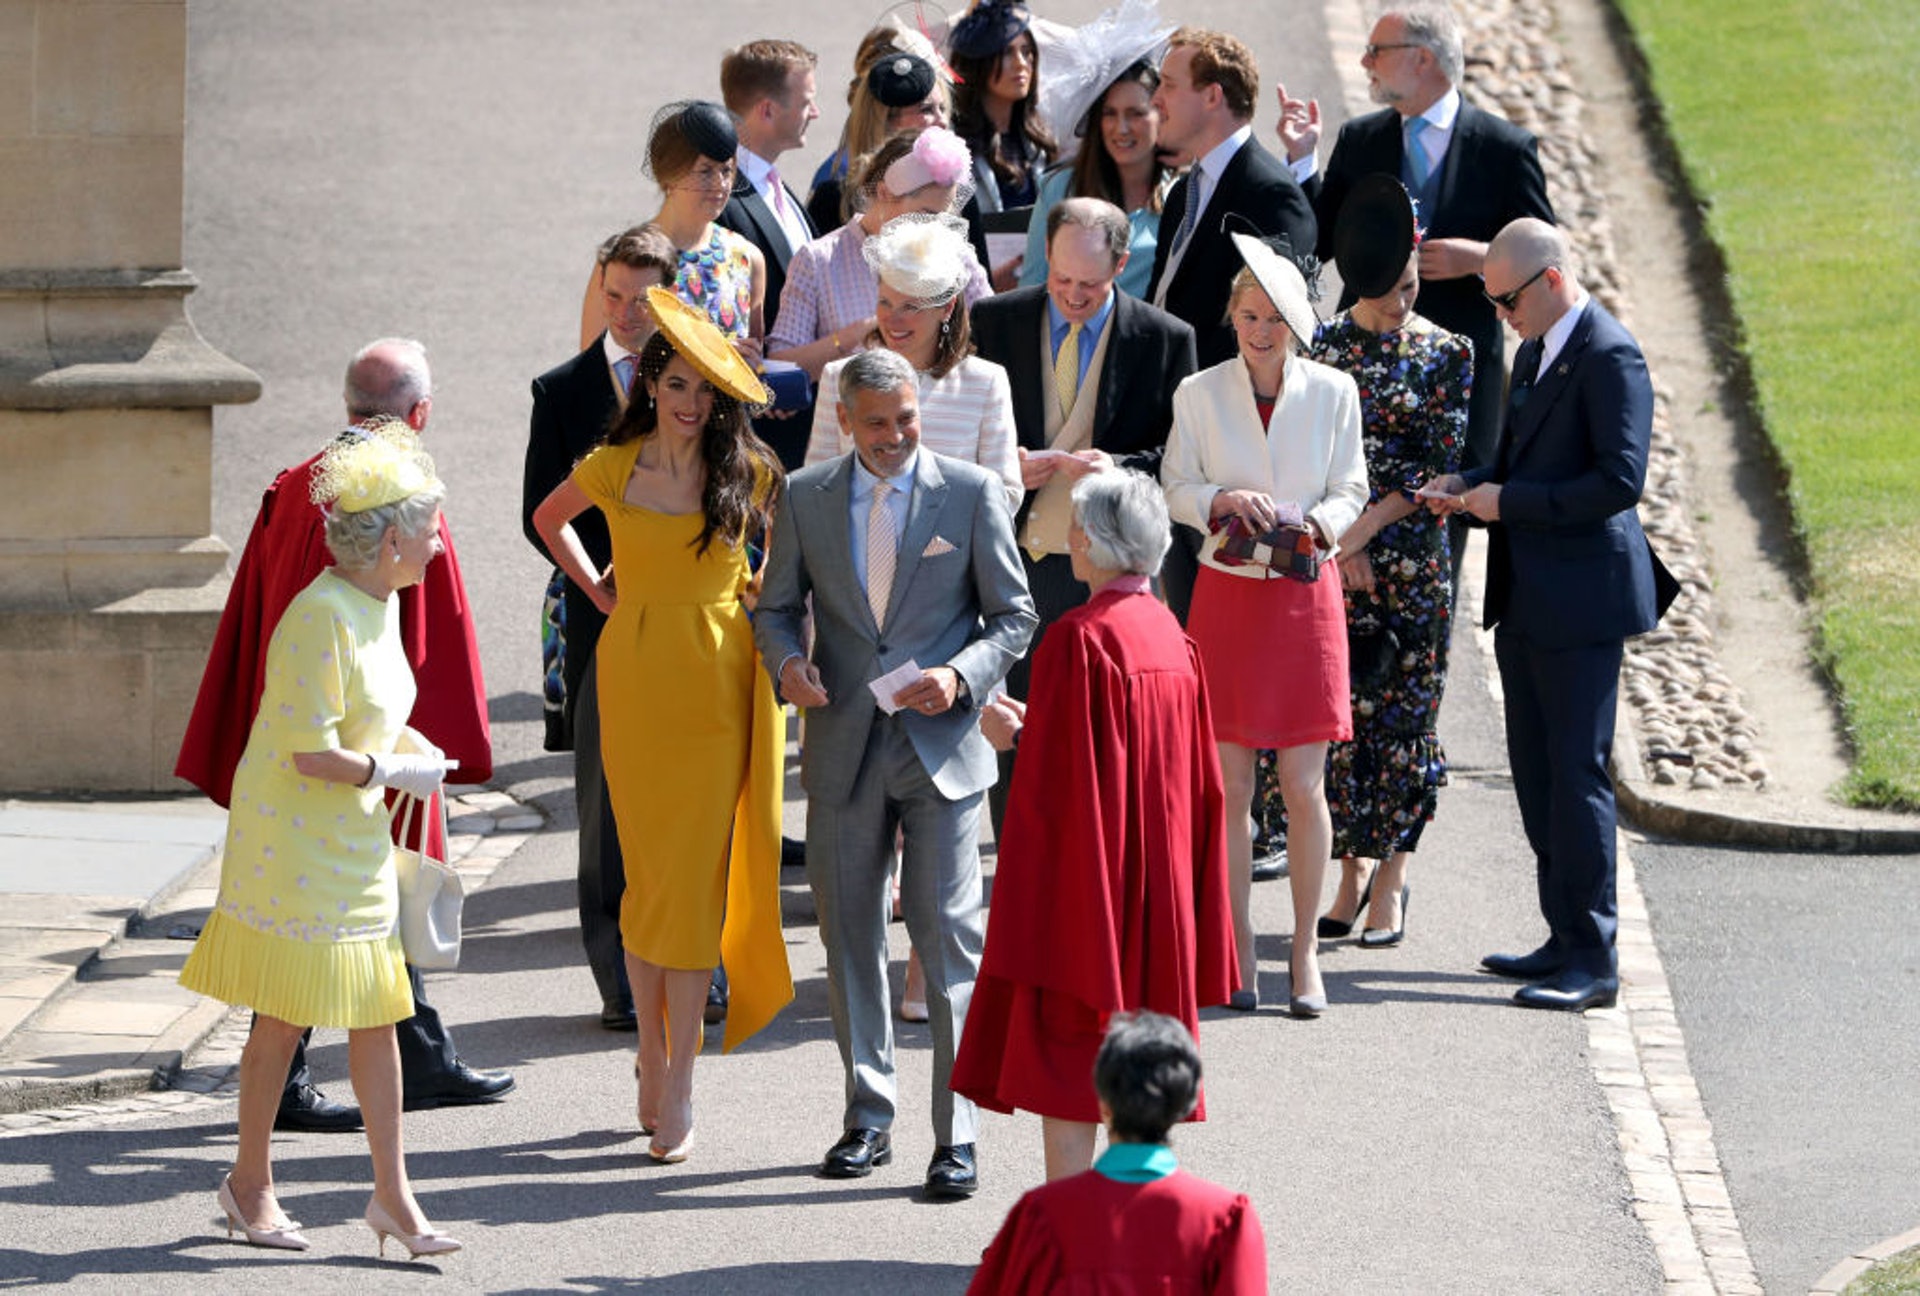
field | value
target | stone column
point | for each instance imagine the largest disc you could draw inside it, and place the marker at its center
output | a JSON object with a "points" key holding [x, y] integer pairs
{"points": [[110, 579]]}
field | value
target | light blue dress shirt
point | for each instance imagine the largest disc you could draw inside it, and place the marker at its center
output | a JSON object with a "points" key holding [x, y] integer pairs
{"points": [[860, 500], [1089, 335]]}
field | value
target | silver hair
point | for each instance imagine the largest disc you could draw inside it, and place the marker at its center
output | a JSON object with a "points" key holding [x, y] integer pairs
{"points": [[386, 388], [1094, 214], [876, 370], [1434, 28], [354, 538], [1125, 518]]}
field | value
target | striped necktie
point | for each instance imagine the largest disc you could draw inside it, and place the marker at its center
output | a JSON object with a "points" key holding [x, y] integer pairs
{"points": [[883, 547]]}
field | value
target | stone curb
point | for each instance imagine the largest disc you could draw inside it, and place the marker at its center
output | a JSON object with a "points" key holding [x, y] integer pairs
{"points": [[1642, 805], [1835, 1280], [167, 1057]]}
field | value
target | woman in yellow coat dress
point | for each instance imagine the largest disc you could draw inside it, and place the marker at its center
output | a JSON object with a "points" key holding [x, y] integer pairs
{"points": [[690, 732]]}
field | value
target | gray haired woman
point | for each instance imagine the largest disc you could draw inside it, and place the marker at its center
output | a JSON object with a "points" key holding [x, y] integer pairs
{"points": [[1115, 812], [303, 930]]}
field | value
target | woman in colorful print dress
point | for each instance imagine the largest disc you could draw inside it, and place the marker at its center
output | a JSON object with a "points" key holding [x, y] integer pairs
{"points": [[1414, 381]]}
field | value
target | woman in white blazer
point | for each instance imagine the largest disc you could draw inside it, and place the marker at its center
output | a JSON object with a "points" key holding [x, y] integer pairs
{"points": [[1265, 439]]}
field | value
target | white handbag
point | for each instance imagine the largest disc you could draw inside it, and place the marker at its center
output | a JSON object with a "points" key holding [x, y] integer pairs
{"points": [[430, 891]]}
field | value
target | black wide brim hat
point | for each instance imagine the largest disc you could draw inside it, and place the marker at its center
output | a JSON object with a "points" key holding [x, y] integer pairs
{"points": [[1373, 235], [988, 28]]}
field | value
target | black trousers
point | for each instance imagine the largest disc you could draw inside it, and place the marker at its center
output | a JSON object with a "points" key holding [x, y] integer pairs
{"points": [[602, 873], [426, 1050]]}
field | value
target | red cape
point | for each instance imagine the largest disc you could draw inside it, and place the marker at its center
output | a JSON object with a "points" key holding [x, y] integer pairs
{"points": [[1111, 886], [285, 551], [1089, 1233]]}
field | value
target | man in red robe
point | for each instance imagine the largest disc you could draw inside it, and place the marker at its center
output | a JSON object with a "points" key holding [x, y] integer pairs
{"points": [[284, 552]]}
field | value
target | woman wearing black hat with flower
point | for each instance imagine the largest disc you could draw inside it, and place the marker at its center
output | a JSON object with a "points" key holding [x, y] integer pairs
{"points": [[1415, 379], [996, 68]]}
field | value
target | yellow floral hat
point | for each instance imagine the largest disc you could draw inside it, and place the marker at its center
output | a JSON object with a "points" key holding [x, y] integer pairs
{"points": [[373, 464], [701, 344]]}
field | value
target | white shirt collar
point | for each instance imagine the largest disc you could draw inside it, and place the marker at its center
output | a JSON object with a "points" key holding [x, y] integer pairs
{"points": [[754, 168], [1220, 154], [1443, 113], [1557, 334], [615, 352]]}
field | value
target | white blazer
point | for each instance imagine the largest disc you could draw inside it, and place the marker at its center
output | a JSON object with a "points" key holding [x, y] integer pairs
{"points": [[1311, 453]]}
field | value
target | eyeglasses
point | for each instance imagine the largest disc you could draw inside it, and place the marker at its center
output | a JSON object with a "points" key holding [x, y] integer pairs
{"points": [[1506, 300], [1375, 51]]}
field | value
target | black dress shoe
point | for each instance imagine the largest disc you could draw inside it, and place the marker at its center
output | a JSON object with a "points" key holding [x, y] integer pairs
{"points": [[1572, 991], [1269, 865], [953, 1172], [857, 1153], [618, 1017], [305, 1108], [793, 854], [1537, 966], [716, 1009], [460, 1085]]}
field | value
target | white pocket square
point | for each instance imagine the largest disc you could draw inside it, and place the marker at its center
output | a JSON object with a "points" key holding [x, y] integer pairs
{"points": [[937, 546]]}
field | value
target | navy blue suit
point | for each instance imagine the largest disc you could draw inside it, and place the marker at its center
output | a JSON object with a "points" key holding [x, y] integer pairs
{"points": [[1570, 576]]}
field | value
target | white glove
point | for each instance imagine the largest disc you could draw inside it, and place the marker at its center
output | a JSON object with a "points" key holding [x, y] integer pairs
{"points": [[419, 776]]}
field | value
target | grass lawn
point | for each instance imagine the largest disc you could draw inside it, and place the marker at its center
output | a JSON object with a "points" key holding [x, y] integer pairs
{"points": [[1798, 122], [1896, 1276]]}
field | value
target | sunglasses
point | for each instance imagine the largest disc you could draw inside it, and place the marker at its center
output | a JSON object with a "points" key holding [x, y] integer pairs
{"points": [[1375, 51], [1506, 300]]}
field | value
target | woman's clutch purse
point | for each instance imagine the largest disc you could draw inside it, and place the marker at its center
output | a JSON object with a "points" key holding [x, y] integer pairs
{"points": [[1287, 550]]}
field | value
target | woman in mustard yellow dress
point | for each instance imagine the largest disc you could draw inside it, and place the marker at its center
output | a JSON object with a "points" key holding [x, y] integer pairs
{"points": [[691, 734]]}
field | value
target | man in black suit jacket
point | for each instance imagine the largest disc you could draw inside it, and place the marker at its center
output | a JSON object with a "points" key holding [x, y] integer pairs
{"points": [[1142, 353], [1570, 576], [768, 86], [1471, 172], [573, 406], [1208, 86]]}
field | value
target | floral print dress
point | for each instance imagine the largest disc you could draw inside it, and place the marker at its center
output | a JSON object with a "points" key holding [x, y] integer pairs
{"points": [[1382, 787], [718, 279]]}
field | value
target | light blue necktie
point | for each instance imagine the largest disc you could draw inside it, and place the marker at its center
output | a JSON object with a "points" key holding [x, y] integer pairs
{"points": [[623, 369], [1417, 164]]}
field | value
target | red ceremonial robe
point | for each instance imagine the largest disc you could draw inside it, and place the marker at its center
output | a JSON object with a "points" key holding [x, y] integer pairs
{"points": [[285, 551], [1088, 1234], [1111, 888]]}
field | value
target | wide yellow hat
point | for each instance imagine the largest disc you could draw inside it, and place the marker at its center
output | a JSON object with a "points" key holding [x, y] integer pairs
{"points": [[701, 344]]}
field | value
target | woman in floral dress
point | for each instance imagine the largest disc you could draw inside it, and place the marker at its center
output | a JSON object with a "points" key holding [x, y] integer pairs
{"points": [[1414, 381]]}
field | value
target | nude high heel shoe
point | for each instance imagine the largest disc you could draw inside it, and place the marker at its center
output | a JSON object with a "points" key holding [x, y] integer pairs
{"points": [[417, 1245], [284, 1237]]}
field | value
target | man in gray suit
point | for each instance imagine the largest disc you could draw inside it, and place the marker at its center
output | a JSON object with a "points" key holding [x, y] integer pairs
{"points": [[910, 561]]}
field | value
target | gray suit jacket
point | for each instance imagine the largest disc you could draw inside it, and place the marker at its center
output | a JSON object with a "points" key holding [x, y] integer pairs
{"points": [[964, 605]]}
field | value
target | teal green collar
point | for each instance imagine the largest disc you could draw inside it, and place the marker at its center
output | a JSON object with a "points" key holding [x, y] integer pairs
{"points": [[1137, 1162]]}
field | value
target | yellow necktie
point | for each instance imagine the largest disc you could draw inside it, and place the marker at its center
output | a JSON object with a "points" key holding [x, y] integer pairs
{"points": [[1066, 370]]}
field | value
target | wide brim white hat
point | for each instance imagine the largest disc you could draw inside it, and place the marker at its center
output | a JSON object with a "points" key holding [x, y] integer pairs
{"points": [[1282, 281]]}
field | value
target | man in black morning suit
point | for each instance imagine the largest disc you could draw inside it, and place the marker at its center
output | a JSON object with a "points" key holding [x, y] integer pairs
{"points": [[573, 406], [1471, 172], [1208, 86], [768, 86], [1092, 372], [1570, 576]]}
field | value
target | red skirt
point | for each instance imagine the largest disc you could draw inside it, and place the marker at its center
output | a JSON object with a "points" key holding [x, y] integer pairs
{"points": [[1275, 654]]}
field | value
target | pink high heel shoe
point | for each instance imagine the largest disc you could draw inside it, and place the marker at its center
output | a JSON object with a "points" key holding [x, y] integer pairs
{"points": [[280, 1237], [417, 1244]]}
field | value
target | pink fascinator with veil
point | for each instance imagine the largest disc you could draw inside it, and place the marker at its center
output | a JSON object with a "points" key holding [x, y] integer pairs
{"points": [[938, 158]]}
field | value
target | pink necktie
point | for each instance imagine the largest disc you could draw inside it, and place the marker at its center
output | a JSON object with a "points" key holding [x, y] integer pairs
{"points": [[779, 194]]}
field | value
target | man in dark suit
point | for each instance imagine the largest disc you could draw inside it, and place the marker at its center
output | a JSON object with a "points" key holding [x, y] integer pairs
{"points": [[1471, 172], [1569, 576], [1208, 86], [768, 86], [1093, 372], [573, 406], [930, 578]]}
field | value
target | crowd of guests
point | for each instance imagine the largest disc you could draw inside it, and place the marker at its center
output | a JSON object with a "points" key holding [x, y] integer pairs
{"points": [[1111, 545]]}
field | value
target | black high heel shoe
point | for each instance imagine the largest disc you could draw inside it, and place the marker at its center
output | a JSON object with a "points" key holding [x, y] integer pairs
{"points": [[1387, 937], [1328, 928]]}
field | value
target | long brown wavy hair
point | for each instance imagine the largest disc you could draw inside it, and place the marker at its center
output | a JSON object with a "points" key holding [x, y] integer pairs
{"points": [[744, 478]]}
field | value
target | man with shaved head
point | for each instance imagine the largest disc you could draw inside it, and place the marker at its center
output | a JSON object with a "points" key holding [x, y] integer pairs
{"points": [[1569, 576]]}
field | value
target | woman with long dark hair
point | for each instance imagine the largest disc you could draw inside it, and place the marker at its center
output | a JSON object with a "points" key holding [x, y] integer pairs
{"points": [[996, 97], [691, 735]]}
